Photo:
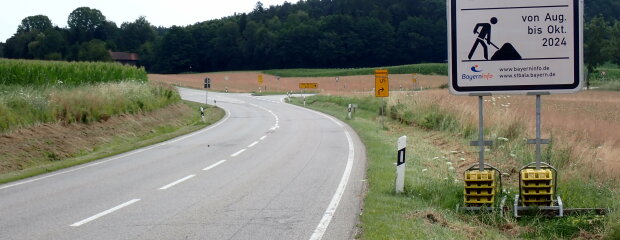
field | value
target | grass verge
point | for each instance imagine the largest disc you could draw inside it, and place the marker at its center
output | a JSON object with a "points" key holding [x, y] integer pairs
{"points": [[434, 186], [190, 122], [24, 106]]}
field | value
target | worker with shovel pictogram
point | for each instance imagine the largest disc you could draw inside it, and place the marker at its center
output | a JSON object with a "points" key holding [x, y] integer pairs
{"points": [[484, 34], [506, 52]]}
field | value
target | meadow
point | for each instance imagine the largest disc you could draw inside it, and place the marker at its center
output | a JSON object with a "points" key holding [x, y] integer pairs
{"points": [[439, 127]]}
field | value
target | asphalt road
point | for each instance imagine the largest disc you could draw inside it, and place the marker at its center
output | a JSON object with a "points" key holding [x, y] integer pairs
{"points": [[268, 170]]}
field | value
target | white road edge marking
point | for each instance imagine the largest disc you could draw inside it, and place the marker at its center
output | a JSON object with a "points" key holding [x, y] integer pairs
{"points": [[237, 153], [177, 182], [263, 137], [120, 156], [106, 212], [253, 144], [333, 205], [213, 165]]}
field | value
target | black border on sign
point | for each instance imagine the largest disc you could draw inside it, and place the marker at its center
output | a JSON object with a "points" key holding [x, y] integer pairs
{"points": [[524, 88]]}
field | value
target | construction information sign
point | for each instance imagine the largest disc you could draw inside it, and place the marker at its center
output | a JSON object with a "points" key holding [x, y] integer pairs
{"points": [[382, 83], [515, 47], [309, 85]]}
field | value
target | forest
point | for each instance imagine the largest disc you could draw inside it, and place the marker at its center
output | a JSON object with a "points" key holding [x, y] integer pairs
{"points": [[306, 34]]}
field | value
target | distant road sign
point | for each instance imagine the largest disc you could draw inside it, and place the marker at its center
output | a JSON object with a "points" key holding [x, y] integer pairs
{"points": [[515, 47], [309, 85], [382, 84], [260, 79], [207, 82], [414, 78]]}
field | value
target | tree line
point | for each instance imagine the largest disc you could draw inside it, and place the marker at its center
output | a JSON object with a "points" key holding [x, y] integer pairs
{"points": [[307, 34]]}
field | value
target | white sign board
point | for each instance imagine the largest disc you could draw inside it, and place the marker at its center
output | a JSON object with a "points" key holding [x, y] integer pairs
{"points": [[515, 47]]}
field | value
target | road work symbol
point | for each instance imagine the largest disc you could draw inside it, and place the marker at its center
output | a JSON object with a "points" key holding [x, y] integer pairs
{"points": [[506, 52]]}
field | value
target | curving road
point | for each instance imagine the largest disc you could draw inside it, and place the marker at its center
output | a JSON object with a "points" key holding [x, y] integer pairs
{"points": [[268, 170]]}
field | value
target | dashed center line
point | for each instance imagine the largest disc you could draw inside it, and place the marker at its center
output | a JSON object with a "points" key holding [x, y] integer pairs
{"points": [[263, 137], [253, 144], [177, 182], [106, 212], [213, 165], [237, 153]]}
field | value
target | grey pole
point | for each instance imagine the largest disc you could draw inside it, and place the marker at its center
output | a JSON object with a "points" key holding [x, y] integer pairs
{"points": [[481, 134], [538, 139]]}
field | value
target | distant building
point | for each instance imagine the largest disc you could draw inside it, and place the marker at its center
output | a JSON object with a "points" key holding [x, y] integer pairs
{"points": [[125, 58]]}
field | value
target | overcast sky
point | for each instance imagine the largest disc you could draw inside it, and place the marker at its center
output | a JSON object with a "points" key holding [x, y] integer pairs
{"points": [[159, 12]]}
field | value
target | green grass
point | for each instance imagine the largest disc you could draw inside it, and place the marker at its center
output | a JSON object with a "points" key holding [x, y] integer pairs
{"points": [[22, 106], [34, 72], [423, 68], [121, 145], [432, 189]]}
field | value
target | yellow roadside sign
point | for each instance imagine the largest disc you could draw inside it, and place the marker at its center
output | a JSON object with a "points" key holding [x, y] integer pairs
{"points": [[260, 79], [382, 83], [309, 85], [414, 77]]}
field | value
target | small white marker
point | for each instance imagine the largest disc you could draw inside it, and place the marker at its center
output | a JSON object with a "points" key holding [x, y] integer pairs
{"points": [[237, 153], [253, 144], [263, 137], [177, 182], [213, 165], [106, 212]]}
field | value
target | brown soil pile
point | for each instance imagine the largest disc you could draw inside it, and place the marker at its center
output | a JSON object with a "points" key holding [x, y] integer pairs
{"points": [[248, 82], [54, 142]]}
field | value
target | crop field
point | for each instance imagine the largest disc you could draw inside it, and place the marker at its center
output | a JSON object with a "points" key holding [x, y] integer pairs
{"points": [[423, 68], [248, 82]]}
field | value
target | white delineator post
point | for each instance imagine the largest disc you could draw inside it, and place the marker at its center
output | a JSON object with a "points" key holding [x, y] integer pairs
{"points": [[400, 164], [349, 111]]}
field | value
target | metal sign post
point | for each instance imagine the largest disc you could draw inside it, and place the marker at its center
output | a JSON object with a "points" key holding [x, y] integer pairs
{"points": [[226, 87], [260, 82], [481, 142], [207, 86], [400, 164], [538, 140]]}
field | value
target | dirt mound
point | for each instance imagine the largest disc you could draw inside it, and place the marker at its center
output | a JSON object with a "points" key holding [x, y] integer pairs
{"points": [[507, 52]]}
